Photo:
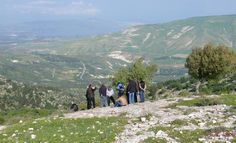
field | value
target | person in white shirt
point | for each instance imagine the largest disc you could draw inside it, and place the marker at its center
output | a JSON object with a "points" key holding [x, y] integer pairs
{"points": [[110, 93]]}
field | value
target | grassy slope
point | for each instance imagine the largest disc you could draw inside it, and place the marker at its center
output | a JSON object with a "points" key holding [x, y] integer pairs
{"points": [[229, 100], [65, 130]]}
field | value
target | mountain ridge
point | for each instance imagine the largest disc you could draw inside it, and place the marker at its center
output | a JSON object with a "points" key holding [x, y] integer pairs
{"points": [[164, 44]]}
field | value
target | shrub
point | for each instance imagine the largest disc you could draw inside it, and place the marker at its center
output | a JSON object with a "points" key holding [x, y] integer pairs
{"points": [[163, 96], [2, 120], [184, 79], [82, 106], [153, 89], [234, 77], [205, 90], [163, 90], [184, 93], [210, 62], [175, 84]]}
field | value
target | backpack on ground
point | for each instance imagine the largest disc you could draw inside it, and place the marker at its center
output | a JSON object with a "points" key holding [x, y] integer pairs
{"points": [[74, 107]]}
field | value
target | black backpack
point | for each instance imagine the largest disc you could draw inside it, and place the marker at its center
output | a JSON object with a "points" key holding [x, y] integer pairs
{"points": [[74, 107]]}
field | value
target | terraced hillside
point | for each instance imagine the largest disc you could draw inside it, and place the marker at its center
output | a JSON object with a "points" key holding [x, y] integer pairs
{"points": [[75, 62]]}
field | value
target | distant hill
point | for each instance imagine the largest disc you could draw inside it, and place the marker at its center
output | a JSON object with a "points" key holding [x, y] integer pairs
{"points": [[73, 62]]}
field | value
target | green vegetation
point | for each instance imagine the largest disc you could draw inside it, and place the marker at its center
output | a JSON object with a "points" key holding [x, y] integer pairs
{"points": [[210, 63], [189, 111], [217, 130], [179, 123], [65, 130], [154, 140], [231, 112], [186, 86], [184, 83], [184, 93], [209, 101], [66, 63], [2, 120], [184, 136], [15, 95], [136, 71], [24, 114], [167, 45]]}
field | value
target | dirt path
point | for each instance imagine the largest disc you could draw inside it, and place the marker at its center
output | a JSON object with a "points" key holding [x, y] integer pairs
{"points": [[136, 110]]}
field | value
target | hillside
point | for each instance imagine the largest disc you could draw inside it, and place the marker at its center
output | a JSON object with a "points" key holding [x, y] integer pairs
{"points": [[75, 62], [157, 121], [15, 96]]}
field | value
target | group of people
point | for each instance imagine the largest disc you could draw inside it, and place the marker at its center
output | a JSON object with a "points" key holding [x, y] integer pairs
{"points": [[134, 92]]}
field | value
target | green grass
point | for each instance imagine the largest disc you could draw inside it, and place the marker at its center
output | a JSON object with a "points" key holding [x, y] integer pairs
{"points": [[154, 140], [65, 130], [179, 122], [24, 114], [184, 136], [229, 100], [2, 119], [194, 121]]}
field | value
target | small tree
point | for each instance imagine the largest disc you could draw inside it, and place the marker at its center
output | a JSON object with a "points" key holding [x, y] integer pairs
{"points": [[209, 62], [137, 70]]}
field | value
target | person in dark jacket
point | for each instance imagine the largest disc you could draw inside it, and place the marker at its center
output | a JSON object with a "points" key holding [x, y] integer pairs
{"points": [[136, 93], [90, 96], [142, 88], [131, 89], [103, 95]]}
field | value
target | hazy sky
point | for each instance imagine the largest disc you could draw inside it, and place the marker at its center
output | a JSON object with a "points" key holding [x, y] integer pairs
{"points": [[132, 11]]}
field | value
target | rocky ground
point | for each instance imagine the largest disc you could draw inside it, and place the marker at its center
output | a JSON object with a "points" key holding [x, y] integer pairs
{"points": [[158, 120], [2, 127], [142, 117]]}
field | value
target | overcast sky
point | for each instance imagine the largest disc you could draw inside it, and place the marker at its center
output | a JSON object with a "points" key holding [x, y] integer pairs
{"points": [[131, 11]]}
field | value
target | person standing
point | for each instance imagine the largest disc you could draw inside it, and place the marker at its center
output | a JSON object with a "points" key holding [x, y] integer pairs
{"points": [[142, 87], [120, 87], [90, 96], [110, 93], [131, 89], [136, 93], [103, 95]]}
